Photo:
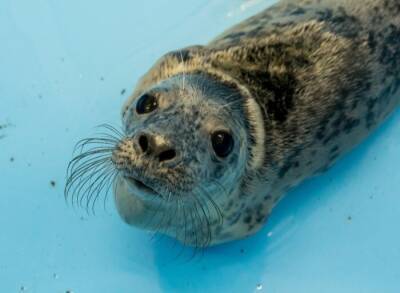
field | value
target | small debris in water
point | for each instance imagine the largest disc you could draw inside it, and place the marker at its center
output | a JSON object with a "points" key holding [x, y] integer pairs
{"points": [[4, 126], [22, 289], [69, 291], [55, 276], [259, 287], [269, 234], [52, 183], [123, 91]]}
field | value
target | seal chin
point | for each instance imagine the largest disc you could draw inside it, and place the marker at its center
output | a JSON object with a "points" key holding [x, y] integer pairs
{"points": [[133, 203], [139, 188]]}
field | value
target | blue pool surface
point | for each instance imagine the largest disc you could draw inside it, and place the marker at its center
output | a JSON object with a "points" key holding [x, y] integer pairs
{"points": [[67, 66]]}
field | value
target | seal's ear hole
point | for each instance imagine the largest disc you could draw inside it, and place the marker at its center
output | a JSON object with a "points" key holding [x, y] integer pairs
{"points": [[146, 104], [222, 143]]}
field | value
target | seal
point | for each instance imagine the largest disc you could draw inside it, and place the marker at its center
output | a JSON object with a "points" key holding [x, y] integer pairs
{"points": [[214, 136]]}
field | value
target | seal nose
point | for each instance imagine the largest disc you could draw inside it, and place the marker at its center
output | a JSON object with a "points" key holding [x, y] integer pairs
{"points": [[156, 147]]}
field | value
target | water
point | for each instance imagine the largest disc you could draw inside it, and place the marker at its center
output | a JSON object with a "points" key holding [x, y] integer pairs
{"points": [[67, 66]]}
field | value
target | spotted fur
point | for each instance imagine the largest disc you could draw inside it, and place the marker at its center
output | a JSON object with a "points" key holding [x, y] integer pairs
{"points": [[301, 84]]}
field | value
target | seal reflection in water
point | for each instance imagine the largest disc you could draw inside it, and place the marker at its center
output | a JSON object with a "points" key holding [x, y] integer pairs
{"points": [[213, 136]]}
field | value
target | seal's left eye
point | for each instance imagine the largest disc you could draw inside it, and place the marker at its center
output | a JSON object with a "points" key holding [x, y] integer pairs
{"points": [[222, 143], [146, 104]]}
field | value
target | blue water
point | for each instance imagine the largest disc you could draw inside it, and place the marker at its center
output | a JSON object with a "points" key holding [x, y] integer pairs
{"points": [[63, 68]]}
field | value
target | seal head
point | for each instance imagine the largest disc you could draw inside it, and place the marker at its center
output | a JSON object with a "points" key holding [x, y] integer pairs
{"points": [[182, 158]]}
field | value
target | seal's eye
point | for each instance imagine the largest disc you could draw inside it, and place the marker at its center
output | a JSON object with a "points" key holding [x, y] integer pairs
{"points": [[146, 104], [222, 143]]}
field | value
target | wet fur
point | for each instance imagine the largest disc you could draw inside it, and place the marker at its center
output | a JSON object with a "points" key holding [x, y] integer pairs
{"points": [[313, 78]]}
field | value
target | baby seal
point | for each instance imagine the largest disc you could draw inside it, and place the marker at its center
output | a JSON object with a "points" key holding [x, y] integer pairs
{"points": [[214, 136]]}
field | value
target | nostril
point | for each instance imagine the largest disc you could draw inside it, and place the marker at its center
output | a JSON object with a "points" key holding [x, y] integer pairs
{"points": [[167, 155], [143, 142]]}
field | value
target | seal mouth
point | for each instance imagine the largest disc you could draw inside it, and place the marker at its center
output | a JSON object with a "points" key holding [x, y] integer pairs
{"points": [[140, 186]]}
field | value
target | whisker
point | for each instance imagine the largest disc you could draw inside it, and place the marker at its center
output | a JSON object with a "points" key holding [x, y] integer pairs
{"points": [[94, 184], [184, 71], [75, 180], [205, 227], [104, 182], [82, 178], [215, 206], [75, 171], [155, 214], [119, 133], [87, 157], [184, 220], [94, 140], [91, 171], [228, 104], [189, 230], [201, 238], [108, 188], [109, 136]]}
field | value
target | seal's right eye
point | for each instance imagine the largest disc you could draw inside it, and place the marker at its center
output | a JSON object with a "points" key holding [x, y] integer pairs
{"points": [[222, 143], [146, 104]]}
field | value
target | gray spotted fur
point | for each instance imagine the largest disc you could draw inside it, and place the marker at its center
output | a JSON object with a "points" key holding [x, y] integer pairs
{"points": [[325, 74]]}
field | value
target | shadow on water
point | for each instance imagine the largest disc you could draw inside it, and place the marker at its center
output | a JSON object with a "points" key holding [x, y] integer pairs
{"points": [[239, 265]]}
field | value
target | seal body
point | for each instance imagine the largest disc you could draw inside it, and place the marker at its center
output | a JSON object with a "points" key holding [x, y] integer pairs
{"points": [[297, 85]]}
